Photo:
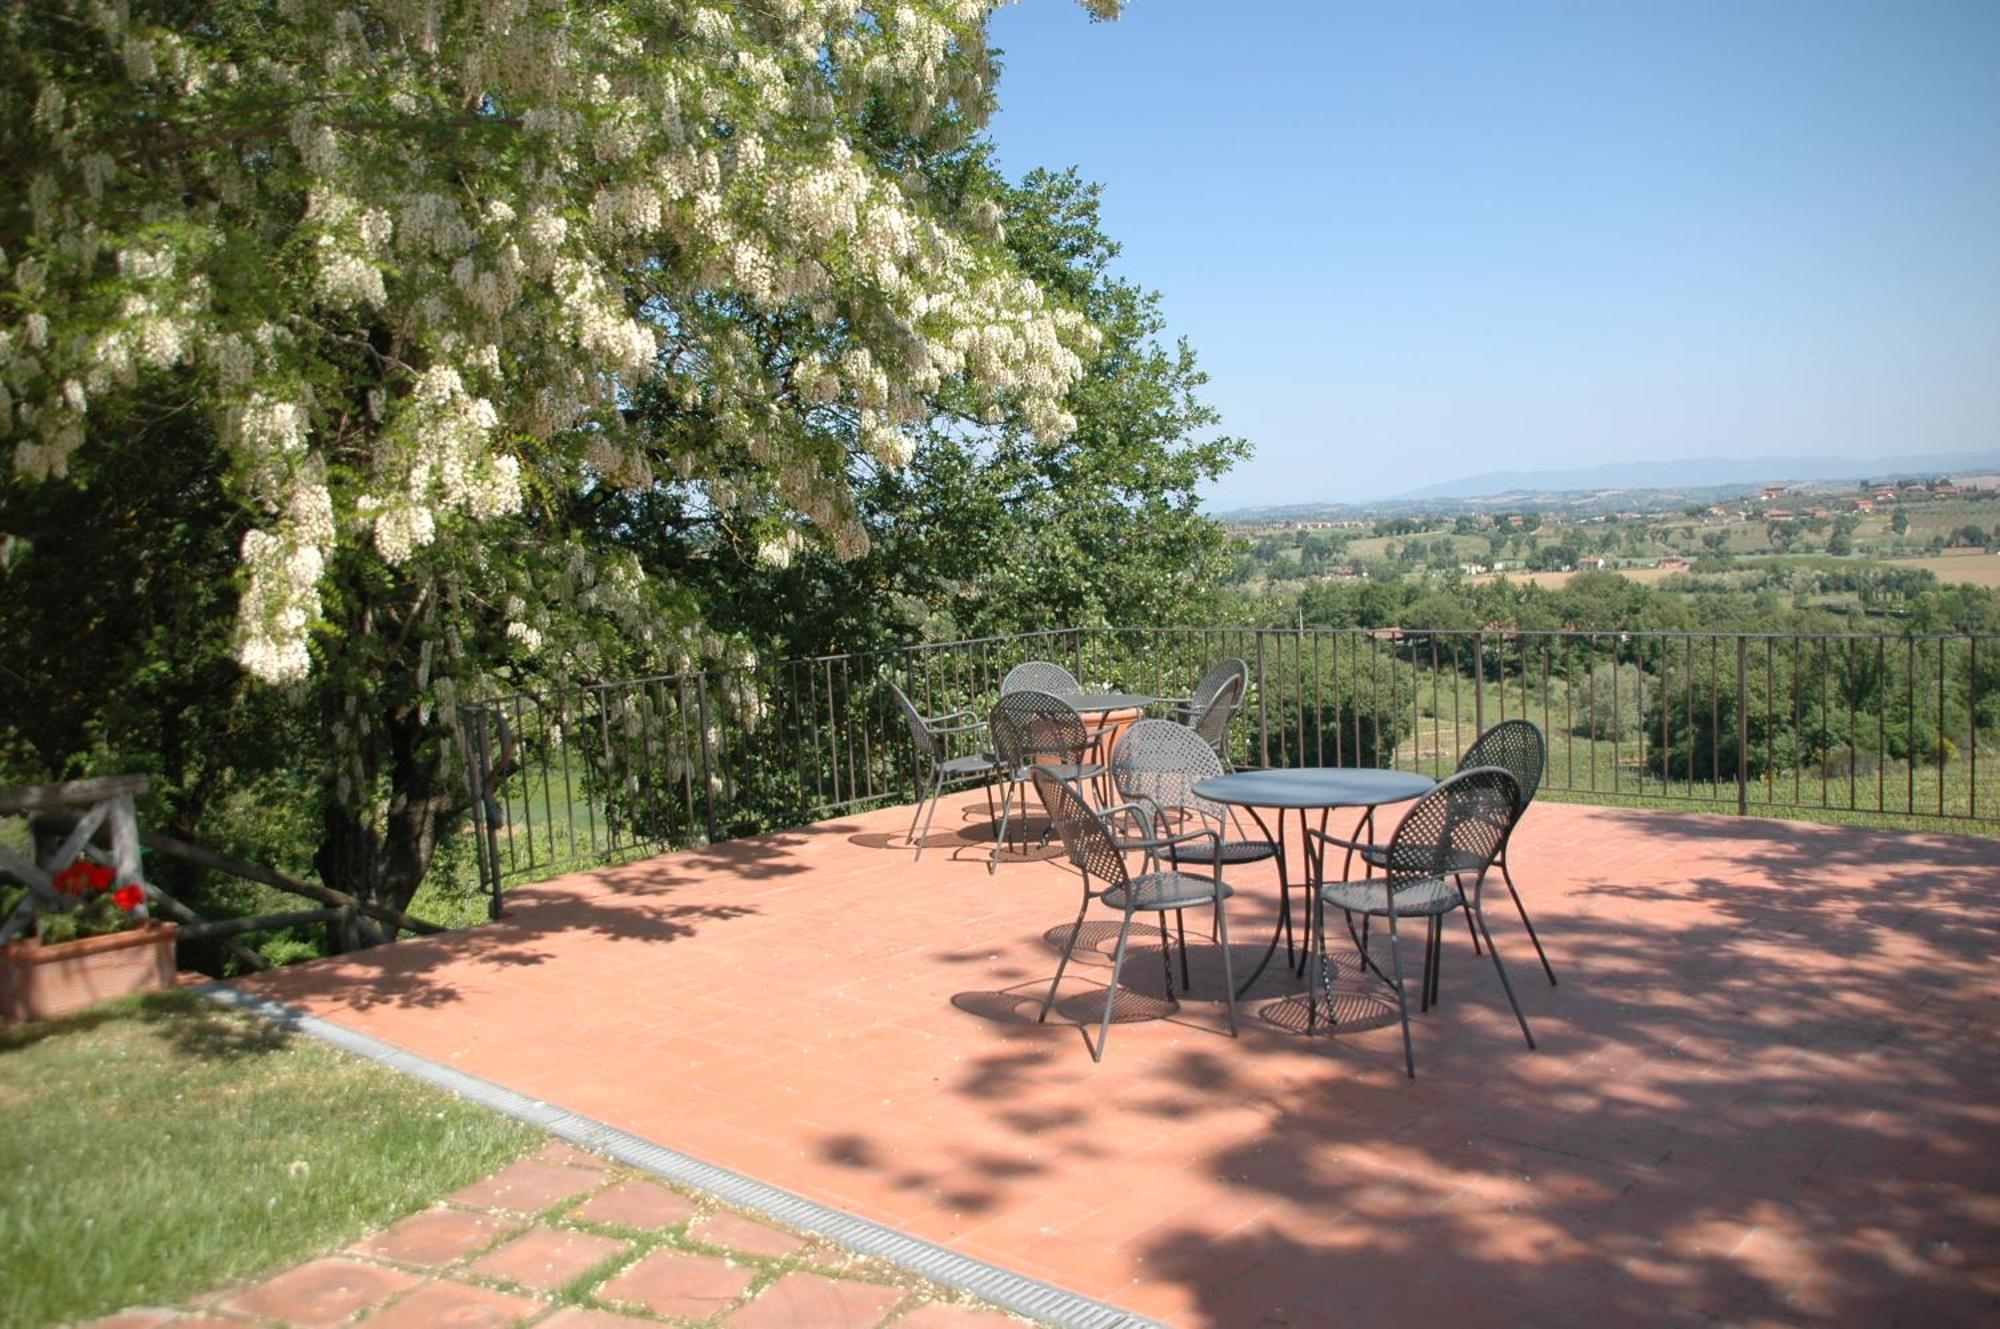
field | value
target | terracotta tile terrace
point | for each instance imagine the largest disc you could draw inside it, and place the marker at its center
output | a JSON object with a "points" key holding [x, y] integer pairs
{"points": [[1768, 1090]]}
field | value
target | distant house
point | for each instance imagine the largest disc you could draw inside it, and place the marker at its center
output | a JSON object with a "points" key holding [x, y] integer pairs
{"points": [[1718, 511], [1818, 514], [1779, 514], [1773, 491], [1474, 569], [1862, 505], [1885, 496], [1672, 563], [1591, 563]]}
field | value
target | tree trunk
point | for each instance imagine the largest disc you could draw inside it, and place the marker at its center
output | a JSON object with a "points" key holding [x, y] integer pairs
{"points": [[381, 854]]}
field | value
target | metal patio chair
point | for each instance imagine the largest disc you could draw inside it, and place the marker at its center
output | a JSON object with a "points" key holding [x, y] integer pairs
{"points": [[1213, 703], [1186, 708], [1211, 722], [1516, 746], [1155, 769], [1035, 731], [1039, 676], [932, 737], [1094, 851], [1454, 831]]}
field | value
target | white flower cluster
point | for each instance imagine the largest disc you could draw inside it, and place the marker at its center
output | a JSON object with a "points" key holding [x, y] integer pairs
{"points": [[578, 206]]}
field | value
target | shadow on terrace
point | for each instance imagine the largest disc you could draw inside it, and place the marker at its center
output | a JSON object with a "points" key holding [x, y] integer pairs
{"points": [[1764, 1092]]}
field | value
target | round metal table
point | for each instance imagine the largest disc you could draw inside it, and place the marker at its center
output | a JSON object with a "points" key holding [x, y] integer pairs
{"points": [[1100, 703], [1302, 790]]}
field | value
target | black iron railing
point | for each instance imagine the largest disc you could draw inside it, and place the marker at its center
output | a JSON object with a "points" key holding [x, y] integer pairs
{"points": [[1856, 727]]}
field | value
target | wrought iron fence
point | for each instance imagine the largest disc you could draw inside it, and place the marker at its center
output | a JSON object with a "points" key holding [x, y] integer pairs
{"points": [[1857, 726]]}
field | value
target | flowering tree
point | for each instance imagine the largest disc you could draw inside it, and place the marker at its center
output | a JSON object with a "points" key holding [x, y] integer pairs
{"points": [[439, 278]]}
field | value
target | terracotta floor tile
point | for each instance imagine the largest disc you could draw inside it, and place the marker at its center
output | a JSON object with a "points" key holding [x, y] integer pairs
{"points": [[737, 1233], [675, 1283], [528, 1186], [637, 1204], [1749, 1010], [581, 1317], [435, 1238], [323, 1292], [824, 1303], [544, 1259], [451, 1305]]}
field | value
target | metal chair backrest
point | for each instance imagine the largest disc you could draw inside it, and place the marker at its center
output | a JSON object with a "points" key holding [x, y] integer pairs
{"points": [[1163, 761], [920, 733], [1516, 746], [1211, 723], [1039, 676], [1031, 727], [1464, 820], [1217, 676], [1084, 836]]}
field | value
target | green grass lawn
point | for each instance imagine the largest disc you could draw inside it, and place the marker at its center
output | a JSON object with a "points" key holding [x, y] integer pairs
{"points": [[158, 1147]]}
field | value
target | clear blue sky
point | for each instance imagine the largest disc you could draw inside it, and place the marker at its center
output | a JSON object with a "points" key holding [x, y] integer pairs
{"points": [[1414, 241]]}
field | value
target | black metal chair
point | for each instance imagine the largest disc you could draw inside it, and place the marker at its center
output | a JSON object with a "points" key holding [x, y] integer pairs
{"points": [[1035, 731], [1095, 852], [1155, 769], [1211, 722], [932, 737], [1185, 709], [1455, 830], [1516, 746], [1039, 676]]}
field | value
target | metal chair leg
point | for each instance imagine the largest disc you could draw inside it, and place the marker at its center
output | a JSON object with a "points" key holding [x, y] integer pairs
{"points": [[1501, 969], [911, 834], [1228, 972], [1111, 993], [1000, 840], [1180, 926], [1523, 911], [937, 792], [1075, 931], [1402, 995]]}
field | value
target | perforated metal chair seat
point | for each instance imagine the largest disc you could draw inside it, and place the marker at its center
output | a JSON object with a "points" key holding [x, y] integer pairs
{"points": [[1435, 895], [1165, 890], [1233, 851], [981, 764], [1072, 771]]}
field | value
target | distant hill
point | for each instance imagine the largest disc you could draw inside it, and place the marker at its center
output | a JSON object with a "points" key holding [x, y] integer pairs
{"points": [[1615, 485], [1701, 473]]}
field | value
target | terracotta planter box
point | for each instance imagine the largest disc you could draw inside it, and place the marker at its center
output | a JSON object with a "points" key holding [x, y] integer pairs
{"points": [[40, 982]]}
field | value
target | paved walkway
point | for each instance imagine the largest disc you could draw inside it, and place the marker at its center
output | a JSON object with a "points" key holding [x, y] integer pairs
{"points": [[565, 1240], [1766, 1090]]}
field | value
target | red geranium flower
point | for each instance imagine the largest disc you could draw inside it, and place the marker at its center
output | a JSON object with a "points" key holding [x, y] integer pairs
{"points": [[101, 876], [129, 898], [72, 880]]}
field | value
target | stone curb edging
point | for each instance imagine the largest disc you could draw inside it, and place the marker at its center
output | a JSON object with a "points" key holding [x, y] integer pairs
{"points": [[939, 1264]]}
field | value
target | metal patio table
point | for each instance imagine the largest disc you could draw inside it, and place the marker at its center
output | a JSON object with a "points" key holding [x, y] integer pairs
{"points": [[1097, 708], [1103, 703], [1302, 790]]}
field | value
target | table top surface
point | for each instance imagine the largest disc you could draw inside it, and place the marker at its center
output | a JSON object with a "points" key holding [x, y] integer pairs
{"points": [[1315, 787], [1090, 703]]}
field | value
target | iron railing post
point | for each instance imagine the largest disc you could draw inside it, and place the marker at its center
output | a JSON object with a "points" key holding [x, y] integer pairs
{"points": [[485, 810], [708, 757], [1742, 726], [1263, 717], [1479, 682]]}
